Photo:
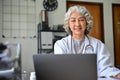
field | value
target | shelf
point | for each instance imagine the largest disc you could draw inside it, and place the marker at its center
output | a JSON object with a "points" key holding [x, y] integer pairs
{"points": [[51, 31]]}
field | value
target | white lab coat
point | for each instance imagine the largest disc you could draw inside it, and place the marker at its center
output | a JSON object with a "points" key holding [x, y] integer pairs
{"points": [[104, 66]]}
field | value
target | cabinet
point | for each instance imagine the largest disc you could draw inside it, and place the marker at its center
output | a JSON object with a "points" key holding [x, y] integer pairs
{"points": [[116, 33], [47, 38]]}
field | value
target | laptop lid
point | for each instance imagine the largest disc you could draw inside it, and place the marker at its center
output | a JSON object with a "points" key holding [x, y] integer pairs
{"points": [[65, 66]]}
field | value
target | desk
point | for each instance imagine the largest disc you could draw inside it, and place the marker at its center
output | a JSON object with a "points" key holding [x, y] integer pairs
{"points": [[34, 76], [107, 79]]}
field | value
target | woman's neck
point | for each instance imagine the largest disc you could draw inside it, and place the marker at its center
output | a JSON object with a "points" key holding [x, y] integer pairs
{"points": [[78, 36]]}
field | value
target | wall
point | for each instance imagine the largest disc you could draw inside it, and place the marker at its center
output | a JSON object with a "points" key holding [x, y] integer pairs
{"points": [[29, 45]]}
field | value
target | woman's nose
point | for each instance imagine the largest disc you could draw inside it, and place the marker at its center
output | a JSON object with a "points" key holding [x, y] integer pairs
{"points": [[77, 23]]}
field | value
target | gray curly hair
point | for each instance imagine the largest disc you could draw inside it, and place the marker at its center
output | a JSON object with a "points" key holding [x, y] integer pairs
{"points": [[84, 12]]}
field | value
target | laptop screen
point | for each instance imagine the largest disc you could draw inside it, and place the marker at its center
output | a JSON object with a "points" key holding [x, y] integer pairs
{"points": [[65, 66]]}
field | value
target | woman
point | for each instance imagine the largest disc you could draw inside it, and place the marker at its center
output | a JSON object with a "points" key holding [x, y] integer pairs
{"points": [[78, 23]]}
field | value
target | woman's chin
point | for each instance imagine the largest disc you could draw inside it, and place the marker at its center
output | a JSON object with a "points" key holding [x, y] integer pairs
{"points": [[79, 33]]}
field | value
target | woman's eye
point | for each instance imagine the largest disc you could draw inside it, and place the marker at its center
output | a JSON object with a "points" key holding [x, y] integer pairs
{"points": [[81, 19], [72, 20]]}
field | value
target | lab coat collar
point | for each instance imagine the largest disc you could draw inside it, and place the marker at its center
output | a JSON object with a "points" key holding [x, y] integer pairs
{"points": [[87, 40], [86, 43]]}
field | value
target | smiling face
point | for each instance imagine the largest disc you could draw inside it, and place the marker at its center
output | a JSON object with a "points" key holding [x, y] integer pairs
{"points": [[77, 24]]}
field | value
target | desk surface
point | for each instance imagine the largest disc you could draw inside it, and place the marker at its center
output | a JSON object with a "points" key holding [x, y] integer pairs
{"points": [[107, 79]]}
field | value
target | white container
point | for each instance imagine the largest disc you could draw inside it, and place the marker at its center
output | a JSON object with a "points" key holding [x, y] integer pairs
{"points": [[32, 76]]}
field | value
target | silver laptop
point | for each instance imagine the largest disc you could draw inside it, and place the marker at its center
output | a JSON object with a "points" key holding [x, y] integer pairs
{"points": [[65, 66]]}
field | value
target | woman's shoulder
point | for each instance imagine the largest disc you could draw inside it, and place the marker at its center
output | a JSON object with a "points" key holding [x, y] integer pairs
{"points": [[64, 40], [98, 44]]}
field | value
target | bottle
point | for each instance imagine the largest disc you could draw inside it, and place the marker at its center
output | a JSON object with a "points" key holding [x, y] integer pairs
{"points": [[32, 76]]}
